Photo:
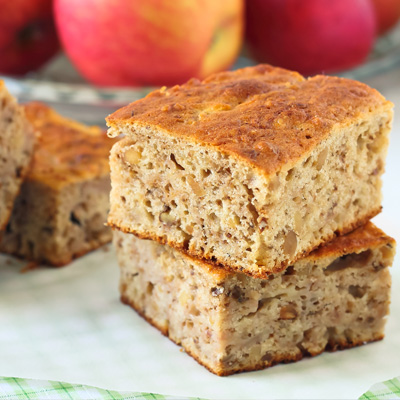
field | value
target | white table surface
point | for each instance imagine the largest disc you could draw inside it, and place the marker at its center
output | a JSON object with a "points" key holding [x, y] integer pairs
{"points": [[68, 324]]}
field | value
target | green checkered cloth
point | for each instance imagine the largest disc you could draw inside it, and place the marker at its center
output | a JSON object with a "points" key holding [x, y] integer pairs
{"points": [[29, 389], [387, 390], [22, 389]]}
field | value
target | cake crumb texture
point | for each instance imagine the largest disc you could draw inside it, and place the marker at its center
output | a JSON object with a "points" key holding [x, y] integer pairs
{"points": [[16, 147], [336, 298]]}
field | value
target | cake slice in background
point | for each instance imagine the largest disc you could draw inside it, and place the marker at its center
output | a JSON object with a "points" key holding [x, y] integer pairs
{"points": [[16, 147], [336, 298], [62, 209]]}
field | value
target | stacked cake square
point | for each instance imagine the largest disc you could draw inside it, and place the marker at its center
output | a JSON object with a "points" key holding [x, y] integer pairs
{"points": [[240, 206]]}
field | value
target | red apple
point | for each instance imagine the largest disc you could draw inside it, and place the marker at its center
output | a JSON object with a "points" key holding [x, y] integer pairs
{"points": [[311, 36], [149, 42], [27, 35], [387, 14]]}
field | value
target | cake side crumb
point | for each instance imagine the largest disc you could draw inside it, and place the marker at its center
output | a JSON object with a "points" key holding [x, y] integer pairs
{"points": [[231, 322]]}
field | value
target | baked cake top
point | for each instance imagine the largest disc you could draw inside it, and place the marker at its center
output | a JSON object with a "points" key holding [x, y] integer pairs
{"points": [[360, 240], [66, 151], [266, 116]]}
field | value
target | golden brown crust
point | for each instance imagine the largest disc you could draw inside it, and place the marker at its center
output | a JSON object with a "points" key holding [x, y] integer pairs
{"points": [[366, 237], [66, 151], [355, 241], [332, 345], [268, 117]]}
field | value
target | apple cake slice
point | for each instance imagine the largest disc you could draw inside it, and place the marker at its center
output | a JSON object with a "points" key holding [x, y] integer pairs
{"points": [[336, 298], [62, 209], [16, 147], [252, 168]]}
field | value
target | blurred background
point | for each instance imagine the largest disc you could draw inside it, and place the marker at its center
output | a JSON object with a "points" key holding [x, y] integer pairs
{"points": [[89, 57]]}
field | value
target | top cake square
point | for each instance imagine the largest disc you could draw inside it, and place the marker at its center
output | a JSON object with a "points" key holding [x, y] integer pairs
{"points": [[251, 169]]}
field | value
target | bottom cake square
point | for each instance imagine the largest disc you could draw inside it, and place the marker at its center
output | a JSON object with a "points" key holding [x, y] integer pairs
{"points": [[336, 298]]}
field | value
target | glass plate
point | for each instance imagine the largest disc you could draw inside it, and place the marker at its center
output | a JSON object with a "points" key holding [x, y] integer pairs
{"points": [[60, 85]]}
